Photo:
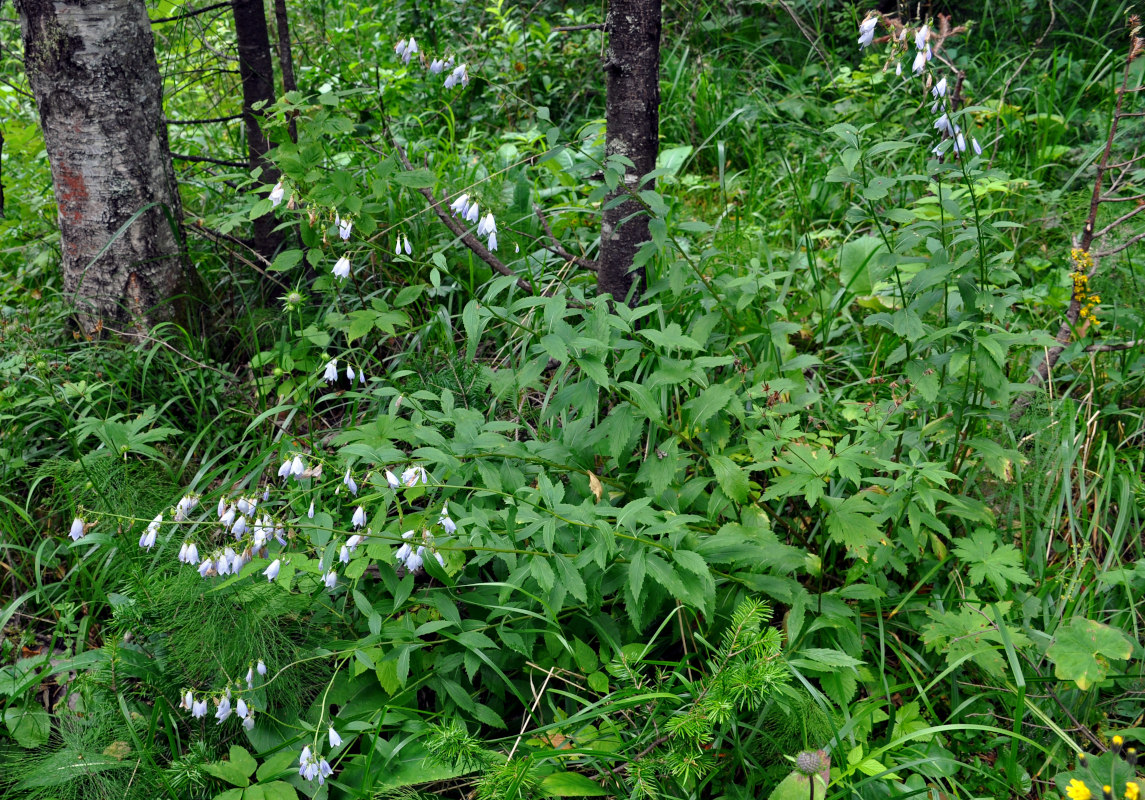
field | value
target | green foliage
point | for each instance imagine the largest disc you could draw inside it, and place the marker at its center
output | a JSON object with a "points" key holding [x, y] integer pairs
{"points": [[807, 411]]}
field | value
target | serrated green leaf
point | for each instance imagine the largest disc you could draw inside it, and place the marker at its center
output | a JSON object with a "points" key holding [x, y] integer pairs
{"points": [[1000, 566], [731, 478]]}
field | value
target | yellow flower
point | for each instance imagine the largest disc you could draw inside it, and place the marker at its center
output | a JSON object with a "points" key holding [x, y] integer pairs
{"points": [[1131, 790], [1078, 791]]}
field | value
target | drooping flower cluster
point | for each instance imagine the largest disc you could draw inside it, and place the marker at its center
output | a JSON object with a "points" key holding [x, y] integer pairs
{"points": [[398, 245], [224, 705], [924, 54], [406, 49], [147, 540], [313, 767], [412, 554]]}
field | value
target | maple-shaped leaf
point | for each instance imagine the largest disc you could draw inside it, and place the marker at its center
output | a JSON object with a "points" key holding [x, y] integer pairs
{"points": [[1082, 650], [971, 631], [850, 523], [1001, 565]]}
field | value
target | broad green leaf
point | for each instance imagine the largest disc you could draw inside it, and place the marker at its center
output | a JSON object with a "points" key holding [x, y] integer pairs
{"points": [[797, 786], [571, 784], [285, 260], [1082, 650], [29, 724]]}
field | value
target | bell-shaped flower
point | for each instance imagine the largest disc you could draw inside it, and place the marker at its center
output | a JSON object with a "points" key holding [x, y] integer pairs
{"points": [[199, 709], [260, 667], [445, 522], [245, 505], [920, 37], [415, 475], [185, 506], [222, 506], [493, 240], [359, 518], [349, 373], [440, 558], [284, 470], [335, 739], [392, 480], [487, 225], [310, 512], [436, 66], [147, 540], [460, 206], [207, 565], [276, 194], [240, 708], [944, 126], [919, 63], [939, 89], [473, 213], [411, 50], [77, 529], [459, 77], [867, 31], [405, 550], [898, 68], [414, 561], [330, 579], [344, 554], [248, 722], [977, 147], [240, 527], [401, 47], [344, 228], [271, 572], [331, 373], [249, 678], [223, 711], [297, 467], [342, 268], [350, 483]]}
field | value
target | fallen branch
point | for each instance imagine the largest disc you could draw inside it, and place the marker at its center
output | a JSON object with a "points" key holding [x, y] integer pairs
{"points": [[462, 233], [559, 248], [206, 160], [204, 121]]}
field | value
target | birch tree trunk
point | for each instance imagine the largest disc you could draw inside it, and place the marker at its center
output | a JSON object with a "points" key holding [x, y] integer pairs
{"points": [[91, 65], [632, 120]]}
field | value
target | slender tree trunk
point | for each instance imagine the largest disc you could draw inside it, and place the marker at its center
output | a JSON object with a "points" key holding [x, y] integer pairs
{"points": [[1, 175], [256, 73], [91, 65], [632, 118], [285, 56]]}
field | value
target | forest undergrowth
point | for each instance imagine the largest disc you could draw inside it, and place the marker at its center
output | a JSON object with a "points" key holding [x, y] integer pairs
{"points": [[847, 503]]}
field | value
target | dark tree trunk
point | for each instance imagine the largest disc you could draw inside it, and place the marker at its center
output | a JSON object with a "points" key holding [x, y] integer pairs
{"points": [[91, 65], [632, 118], [257, 76], [285, 56]]}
